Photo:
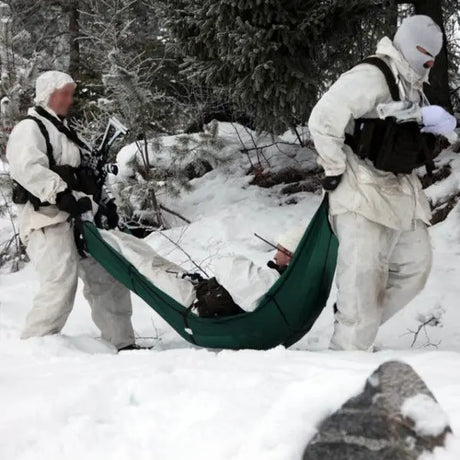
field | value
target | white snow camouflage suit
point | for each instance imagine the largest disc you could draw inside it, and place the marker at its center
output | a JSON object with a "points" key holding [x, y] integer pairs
{"points": [[380, 218], [49, 237]]}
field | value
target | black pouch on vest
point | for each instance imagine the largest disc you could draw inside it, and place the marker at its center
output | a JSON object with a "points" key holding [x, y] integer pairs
{"points": [[214, 301], [391, 146]]}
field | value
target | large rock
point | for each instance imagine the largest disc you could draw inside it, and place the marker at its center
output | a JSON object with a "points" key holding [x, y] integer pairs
{"points": [[396, 417]]}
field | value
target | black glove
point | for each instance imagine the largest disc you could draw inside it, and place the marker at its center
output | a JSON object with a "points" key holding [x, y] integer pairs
{"points": [[195, 278], [330, 183], [84, 205], [107, 217], [65, 201], [279, 268], [112, 215]]}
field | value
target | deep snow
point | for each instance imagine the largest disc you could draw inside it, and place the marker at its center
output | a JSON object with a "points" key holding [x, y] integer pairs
{"points": [[72, 397]]}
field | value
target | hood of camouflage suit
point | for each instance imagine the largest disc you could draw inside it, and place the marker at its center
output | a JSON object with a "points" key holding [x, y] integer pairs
{"points": [[406, 72], [419, 31], [47, 83]]}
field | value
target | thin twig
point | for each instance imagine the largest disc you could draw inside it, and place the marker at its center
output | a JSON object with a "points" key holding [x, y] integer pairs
{"points": [[422, 327], [298, 137], [175, 213], [246, 150], [11, 217], [189, 257]]}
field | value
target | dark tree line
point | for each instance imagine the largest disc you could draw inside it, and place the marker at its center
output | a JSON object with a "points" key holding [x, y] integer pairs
{"points": [[176, 64], [271, 60]]}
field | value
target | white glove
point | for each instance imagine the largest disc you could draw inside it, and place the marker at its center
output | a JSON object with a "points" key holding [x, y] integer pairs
{"points": [[437, 120]]}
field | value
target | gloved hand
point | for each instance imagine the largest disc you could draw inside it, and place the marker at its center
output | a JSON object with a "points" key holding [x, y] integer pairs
{"points": [[195, 278], [112, 215], [65, 201], [437, 120], [330, 183], [107, 216], [84, 205]]}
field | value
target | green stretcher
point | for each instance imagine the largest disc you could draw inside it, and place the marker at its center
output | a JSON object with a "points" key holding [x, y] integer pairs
{"points": [[285, 314]]}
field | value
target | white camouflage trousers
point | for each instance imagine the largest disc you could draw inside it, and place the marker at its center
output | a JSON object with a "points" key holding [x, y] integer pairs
{"points": [[58, 265], [379, 271]]}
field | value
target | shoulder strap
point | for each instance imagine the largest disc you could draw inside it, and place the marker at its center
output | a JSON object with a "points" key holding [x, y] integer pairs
{"points": [[49, 147], [389, 76], [71, 135]]}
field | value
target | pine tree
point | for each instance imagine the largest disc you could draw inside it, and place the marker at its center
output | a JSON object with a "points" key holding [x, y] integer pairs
{"points": [[272, 59], [263, 56]]}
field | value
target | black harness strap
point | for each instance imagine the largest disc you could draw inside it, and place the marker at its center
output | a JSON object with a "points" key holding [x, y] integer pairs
{"points": [[61, 127], [387, 72], [49, 147]]}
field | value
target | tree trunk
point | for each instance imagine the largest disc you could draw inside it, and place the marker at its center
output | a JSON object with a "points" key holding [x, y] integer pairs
{"points": [[74, 35], [391, 16], [438, 90]]}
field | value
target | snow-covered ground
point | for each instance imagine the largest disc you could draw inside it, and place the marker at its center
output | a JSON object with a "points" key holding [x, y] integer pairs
{"points": [[72, 397]]}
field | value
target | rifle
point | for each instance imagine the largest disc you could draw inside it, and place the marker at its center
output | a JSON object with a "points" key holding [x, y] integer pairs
{"points": [[274, 246], [94, 170], [97, 161]]}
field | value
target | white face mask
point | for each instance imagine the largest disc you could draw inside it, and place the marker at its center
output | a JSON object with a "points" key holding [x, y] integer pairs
{"points": [[419, 31]]}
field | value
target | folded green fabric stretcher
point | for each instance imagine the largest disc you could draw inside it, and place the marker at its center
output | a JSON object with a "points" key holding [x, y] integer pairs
{"points": [[285, 314]]}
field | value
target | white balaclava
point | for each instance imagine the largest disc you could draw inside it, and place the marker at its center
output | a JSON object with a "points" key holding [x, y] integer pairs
{"points": [[47, 83], [416, 31]]}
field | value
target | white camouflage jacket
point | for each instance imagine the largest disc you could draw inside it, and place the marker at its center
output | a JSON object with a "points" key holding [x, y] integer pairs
{"points": [[395, 201]]}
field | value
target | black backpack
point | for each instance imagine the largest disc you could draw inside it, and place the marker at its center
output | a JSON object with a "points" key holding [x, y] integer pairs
{"points": [[214, 301], [391, 146]]}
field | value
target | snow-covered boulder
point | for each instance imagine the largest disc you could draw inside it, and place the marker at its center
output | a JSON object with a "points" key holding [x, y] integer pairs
{"points": [[395, 417]]}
